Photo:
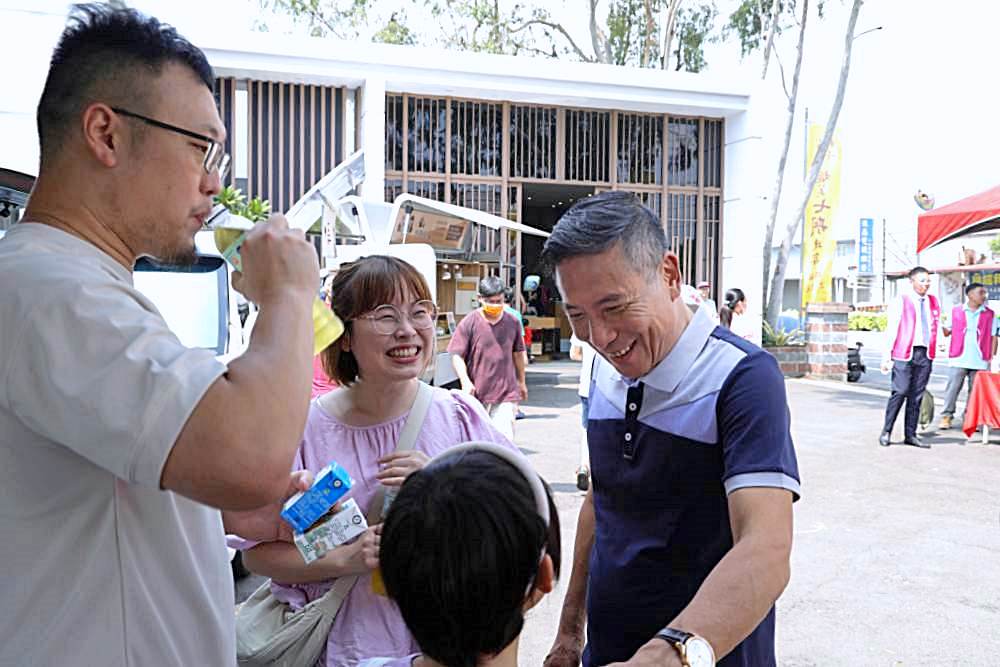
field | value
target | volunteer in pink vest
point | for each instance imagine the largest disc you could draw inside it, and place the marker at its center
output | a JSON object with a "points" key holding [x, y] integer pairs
{"points": [[911, 338], [973, 344]]}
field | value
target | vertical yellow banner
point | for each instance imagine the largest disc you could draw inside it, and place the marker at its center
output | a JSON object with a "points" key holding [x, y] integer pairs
{"points": [[819, 244]]}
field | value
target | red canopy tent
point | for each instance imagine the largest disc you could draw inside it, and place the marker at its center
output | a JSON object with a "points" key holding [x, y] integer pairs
{"points": [[973, 214]]}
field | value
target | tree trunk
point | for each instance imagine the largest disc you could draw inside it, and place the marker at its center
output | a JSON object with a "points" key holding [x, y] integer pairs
{"points": [[775, 13], [649, 42], [597, 38], [668, 33], [774, 306], [779, 178]]}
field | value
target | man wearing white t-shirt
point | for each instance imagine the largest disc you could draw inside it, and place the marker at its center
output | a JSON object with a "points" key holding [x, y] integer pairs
{"points": [[117, 443]]}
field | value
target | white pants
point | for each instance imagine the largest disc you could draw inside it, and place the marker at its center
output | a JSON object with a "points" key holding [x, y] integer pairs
{"points": [[502, 415]]}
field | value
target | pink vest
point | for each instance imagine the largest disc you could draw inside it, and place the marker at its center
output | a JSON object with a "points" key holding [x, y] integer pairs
{"points": [[984, 335], [902, 349]]}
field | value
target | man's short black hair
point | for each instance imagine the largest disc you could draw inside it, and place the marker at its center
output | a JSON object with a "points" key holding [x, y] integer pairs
{"points": [[460, 551], [595, 224], [916, 270], [973, 286], [491, 286], [108, 54]]}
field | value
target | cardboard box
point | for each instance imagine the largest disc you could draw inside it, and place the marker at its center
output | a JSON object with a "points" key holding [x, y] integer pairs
{"points": [[306, 507], [340, 528], [539, 322]]}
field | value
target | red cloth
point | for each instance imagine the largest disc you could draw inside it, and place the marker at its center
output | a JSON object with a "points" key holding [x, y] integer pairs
{"points": [[321, 382], [984, 403], [975, 213]]}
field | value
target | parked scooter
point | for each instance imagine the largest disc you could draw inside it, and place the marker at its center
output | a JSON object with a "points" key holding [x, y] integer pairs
{"points": [[855, 367]]}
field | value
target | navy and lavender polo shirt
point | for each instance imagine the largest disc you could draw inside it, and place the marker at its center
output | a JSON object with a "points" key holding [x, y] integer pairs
{"points": [[665, 452]]}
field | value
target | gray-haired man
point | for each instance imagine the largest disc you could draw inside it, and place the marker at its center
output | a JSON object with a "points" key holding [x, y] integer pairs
{"points": [[683, 541]]}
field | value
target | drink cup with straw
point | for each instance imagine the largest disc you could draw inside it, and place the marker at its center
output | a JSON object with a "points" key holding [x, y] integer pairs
{"points": [[229, 231]]}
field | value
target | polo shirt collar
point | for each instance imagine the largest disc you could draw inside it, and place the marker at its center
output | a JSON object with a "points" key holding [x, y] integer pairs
{"points": [[970, 310], [667, 374]]}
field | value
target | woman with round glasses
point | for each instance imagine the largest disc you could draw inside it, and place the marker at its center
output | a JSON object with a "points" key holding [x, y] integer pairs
{"points": [[388, 342]]}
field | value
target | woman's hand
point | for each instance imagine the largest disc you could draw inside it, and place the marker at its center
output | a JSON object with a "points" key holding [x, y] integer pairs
{"points": [[360, 556], [398, 466]]}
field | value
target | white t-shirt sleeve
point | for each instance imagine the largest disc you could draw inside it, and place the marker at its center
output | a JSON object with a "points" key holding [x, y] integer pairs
{"points": [[96, 369]]}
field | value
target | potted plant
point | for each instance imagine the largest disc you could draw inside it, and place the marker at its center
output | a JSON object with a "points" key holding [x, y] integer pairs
{"points": [[788, 348]]}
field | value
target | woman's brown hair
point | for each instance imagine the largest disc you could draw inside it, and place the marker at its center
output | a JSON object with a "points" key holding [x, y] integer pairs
{"points": [[360, 287]]}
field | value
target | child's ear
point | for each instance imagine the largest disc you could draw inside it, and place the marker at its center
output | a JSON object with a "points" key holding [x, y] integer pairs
{"points": [[544, 583]]}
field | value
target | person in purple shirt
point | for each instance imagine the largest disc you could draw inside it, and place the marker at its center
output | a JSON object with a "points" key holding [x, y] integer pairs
{"points": [[487, 352], [388, 341]]}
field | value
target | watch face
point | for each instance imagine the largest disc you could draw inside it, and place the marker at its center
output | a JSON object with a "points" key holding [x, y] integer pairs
{"points": [[699, 653]]}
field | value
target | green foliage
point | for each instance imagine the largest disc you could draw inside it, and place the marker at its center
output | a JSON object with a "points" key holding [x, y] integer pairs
{"points": [[395, 32], [232, 198], [750, 23], [694, 27], [254, 210], [626, 31], [257, 210], [630, 33], [772, 338], [995, 245], [860, 321]]}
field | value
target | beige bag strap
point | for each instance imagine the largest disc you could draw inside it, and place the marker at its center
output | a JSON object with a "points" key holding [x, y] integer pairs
{"points": [[332, 599], [407, 439]]}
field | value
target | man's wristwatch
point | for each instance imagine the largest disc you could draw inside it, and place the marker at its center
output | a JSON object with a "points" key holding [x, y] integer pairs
{"points": [[694, 650]]}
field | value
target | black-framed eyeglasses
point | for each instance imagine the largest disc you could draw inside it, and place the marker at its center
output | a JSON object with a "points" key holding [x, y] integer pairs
{"points": [[216, 157], [387, 318]]}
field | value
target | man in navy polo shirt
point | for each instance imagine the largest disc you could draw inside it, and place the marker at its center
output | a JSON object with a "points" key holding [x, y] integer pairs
{"points": [[683, 541]]}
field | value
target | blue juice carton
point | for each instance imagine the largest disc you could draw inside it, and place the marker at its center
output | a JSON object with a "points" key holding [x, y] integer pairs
{"points": [[306, 507]]}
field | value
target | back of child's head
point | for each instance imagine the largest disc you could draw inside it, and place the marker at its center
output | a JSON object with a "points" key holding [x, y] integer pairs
{"points": [[461, 549]]}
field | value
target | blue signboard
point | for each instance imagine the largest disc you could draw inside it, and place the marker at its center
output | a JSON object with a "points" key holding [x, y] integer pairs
{"points": [[991, 279], [866, 247]]}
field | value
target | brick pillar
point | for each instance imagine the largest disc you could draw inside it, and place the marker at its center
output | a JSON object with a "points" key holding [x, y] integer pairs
{"points": [[826, 340]]}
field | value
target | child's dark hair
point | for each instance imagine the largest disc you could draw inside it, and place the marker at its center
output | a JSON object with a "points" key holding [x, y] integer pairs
{"points": [[460, 551]]}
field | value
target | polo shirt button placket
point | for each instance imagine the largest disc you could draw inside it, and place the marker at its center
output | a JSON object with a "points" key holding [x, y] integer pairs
{"points": [[633, 402]]}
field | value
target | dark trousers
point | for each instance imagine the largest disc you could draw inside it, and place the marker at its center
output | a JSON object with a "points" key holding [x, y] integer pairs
{"points": [[909, 380]]}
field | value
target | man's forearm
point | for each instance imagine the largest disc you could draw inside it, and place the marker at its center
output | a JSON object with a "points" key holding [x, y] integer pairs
{"points": [[461, 370], [519, 365], [235, 450], [574, 611], [274, 376], [737, 594]]}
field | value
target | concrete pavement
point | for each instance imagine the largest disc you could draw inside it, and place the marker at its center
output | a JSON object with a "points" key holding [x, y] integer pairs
{"points": [[897, 550]]}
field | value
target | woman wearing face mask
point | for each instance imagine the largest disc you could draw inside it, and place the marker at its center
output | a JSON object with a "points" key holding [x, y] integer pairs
{"points": [[388, 342]]}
